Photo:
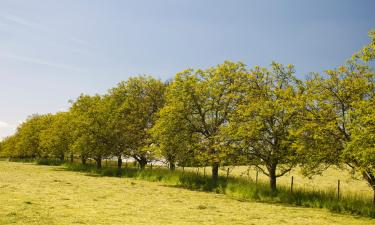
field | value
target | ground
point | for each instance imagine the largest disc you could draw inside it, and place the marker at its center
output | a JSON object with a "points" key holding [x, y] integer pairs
{"points": [[32, 194], [349, 184]]}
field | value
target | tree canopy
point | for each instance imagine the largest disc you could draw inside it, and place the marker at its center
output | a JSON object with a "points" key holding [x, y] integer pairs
{"points": [[228, 114]]}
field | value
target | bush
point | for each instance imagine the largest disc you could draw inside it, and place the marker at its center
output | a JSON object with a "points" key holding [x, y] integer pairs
{"points": [[50, 162]]}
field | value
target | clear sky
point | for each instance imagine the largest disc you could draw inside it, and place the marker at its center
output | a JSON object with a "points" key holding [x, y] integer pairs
{"points": [[53, 50]]}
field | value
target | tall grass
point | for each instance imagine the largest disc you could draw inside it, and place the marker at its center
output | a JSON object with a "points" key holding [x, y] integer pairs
{"points": [[241, 189]]}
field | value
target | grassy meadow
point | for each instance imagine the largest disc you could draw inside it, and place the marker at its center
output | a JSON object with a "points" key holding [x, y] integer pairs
{"points": [[349, 185], [33, 194]]}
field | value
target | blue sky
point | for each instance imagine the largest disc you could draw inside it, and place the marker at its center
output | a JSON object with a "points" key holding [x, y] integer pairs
{"points": [[51, 51]]}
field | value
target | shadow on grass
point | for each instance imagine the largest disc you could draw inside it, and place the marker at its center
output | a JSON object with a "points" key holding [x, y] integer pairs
{"points": [[237, 188]]}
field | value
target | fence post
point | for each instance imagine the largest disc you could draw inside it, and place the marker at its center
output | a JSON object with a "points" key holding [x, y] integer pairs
{"points": [[204, 171], [151, 166], [291, 185], [338, 189], [256, 178], [227, 172]]}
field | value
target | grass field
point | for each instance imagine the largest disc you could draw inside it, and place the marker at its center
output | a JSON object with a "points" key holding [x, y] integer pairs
{"points": [[326, 181], [32, 194]]}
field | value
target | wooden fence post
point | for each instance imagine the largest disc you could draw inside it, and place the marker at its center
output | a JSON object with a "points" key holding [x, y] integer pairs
{"points": [[291, 185], [204, 171], [338, 189], [227, 172], [256, 178]]}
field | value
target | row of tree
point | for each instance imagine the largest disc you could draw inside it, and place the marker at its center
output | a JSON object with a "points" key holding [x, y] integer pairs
{"points": [[225, 115]]}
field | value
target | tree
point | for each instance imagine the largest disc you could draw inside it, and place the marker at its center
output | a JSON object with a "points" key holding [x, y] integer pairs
{"points": [[136, 103], [262, 126], [57, 137], [201, 101], [338, 118], [360, 149], [28, 136], [172, 137], [8, 147], [91, 130]]}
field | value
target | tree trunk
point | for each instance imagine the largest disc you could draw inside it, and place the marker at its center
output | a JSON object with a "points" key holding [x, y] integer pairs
{"points": [[142, 163], [83, 159], [215, 171], [370, 178], [98, 162], [272, 176], [62, 157], [172, 166], [119, 162]]}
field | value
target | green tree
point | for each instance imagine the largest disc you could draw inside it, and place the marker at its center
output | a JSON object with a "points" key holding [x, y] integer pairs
{"points": [[8, 147], [338, 117], [172, 137], [359, 152], [56, 139], [28, 136], [90, 128], [200, 102], [136, 103], [262, 126]]}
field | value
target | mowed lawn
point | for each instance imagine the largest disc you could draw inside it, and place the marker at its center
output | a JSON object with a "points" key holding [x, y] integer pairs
{"points": [[32, 194]]}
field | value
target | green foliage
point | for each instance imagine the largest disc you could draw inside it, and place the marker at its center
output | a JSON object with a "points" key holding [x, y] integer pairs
{"points": [[56, 139], [91, 132], [338, 110], [136, 103], [224, 115], [198, 103], [262, 126]]}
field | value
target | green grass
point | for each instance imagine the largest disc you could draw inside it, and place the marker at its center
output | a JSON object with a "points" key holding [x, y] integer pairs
{"points": [[349, 185], [244, 189], [32, 194]]}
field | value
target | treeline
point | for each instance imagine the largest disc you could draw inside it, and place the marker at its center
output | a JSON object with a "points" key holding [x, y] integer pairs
{"points": [[225, 115]]}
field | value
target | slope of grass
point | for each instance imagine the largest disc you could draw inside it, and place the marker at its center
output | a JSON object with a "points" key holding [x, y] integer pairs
{"points": [[31, 194]]}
